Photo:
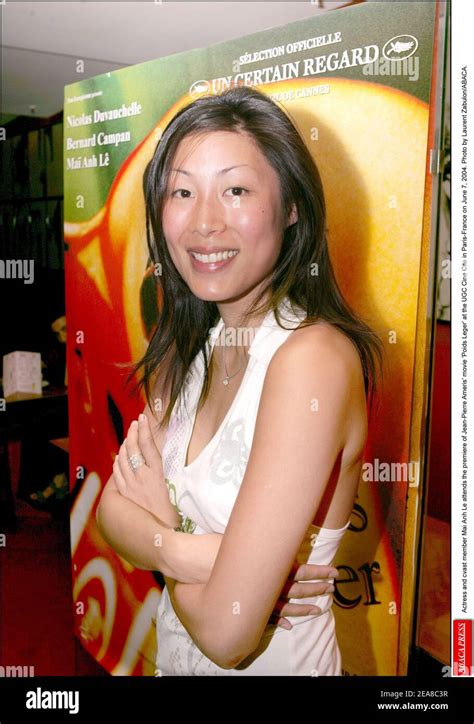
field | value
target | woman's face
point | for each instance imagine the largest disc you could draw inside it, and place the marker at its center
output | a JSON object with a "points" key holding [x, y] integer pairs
{"points": [[223, 199]]}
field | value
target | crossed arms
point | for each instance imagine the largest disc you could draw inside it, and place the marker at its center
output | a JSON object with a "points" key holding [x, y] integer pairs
{"points": [[238, 582]]}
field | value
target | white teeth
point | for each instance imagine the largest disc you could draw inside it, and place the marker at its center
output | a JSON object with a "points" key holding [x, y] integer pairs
{"points": [[220, 256]]}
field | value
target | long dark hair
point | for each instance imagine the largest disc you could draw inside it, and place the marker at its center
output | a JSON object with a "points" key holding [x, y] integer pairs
{"points": [[303, 271]]}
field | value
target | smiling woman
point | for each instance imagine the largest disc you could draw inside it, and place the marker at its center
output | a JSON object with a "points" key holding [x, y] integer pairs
{"points": [[263, 436], [217, 219]]}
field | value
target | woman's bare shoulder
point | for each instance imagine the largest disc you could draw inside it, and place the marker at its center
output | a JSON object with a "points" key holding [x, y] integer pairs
{"points": [[327, 342]]}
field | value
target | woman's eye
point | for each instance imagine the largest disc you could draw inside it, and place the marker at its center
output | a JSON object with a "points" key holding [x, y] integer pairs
{"points": [[237, 188], [177, 192]]}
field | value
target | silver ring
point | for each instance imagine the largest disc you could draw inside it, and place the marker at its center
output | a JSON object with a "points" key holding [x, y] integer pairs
{"points": [[136, 460]]}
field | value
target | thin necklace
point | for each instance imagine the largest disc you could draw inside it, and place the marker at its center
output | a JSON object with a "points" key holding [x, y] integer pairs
{"points": [[227, 377]]}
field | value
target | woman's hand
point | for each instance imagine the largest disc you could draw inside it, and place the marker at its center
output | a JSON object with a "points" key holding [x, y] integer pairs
{"points": [[146, 485], [302, 585]]}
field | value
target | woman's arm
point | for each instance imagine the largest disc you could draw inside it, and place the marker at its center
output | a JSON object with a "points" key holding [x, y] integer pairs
{"points": [[149, 543], [294, 452]]}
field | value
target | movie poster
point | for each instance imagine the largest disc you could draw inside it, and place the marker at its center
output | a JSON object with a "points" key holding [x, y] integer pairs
{"points": [[358, 83]]}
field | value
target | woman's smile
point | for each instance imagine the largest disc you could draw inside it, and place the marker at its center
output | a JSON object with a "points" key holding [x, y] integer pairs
{"points": [[212, 262]]}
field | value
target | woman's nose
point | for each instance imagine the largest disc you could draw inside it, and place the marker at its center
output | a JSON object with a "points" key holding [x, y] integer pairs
{"points": [[207, 216]]}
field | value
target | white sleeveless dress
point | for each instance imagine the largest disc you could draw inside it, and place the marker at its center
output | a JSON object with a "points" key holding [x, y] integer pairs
{"points": [[205, 492]]}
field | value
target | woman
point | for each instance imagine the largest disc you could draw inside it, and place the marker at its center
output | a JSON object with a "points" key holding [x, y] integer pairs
{"points": [[256, 380]]}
